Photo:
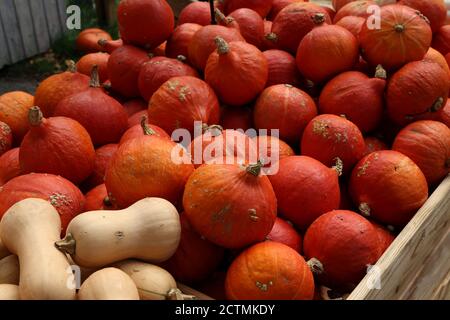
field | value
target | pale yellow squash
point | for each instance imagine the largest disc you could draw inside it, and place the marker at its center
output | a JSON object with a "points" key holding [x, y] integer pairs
{"points": [[29, 230], [9, 292], [108, 284], [149, 230], [9, 270], [3, 251]]}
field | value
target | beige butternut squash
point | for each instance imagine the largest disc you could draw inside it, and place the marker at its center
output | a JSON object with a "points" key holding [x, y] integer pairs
{"points": [[9, 292], [153, 282], [9, 270], [149, 230], [3, 251], [29, 230], [108, 284]]}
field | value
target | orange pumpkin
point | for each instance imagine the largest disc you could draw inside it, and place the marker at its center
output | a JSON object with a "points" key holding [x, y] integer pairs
{"points": [[282, 68], [388, 186], [271, 147], [99, 59], [230, 205], [344, 243], [237, 118], [444, 115], [87, 40], [283, 232], [143, 130], [269, 271], [385, 237], [134, 106], [441, 40], [103, 157], [261, 6], [427, 143], [97, 199], [136, 118], [109, 46], [279, 5], [355, 9], [9, 165], [434, 10], [195, 12], [374, 144], [14, 108], [251, 25], [178, 42], [435, 56], [143, 168], [352, 24]]}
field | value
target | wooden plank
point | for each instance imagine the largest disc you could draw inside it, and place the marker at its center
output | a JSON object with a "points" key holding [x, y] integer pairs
{"points": [[4, 52], [26, 28], [53, 24], [62, 14], [11, 29], [39, 21], [400, 264]]}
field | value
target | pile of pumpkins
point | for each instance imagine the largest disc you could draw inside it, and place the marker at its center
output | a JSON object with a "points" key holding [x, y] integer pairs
{"points": [[87, 176]]}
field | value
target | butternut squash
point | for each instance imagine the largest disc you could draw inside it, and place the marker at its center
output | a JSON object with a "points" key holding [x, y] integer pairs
{"points": [[108, 284], [152, 282], [149, 230], [29, 230], [9, 270], [3, 251], [9, 292]]}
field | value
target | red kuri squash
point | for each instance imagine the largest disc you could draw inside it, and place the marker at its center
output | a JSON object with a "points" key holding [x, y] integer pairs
{"points": [[14, 108], [374, 144], [434, 10], [103, 156], [178, 43], [251, 25], [143, 130], [385, 237], [237, 118], [441, 40], [134, 106], [97, 199], [87, 40], [278, 5], [109, 46], [261, 6], [282, 68], [196, 12], [99, 59], [283, 232], [352, 24], [9, 165], [358, 8]]}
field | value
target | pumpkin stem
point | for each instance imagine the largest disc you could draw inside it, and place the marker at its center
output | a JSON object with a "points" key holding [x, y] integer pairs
{"points": [[35, 116], [220, 17], [380, 72], [181, 58], [222, 46], [102, 42], [216, 130], [66, 245], [318, 18], [95, 78], [399, 28], [176, 294], [316, 266], [254, 169], [147, 130], [437, 105], [151, 55], [71, 66], [338, 166], [364, 209], [290, 86], [107, 201], [272, 37]]}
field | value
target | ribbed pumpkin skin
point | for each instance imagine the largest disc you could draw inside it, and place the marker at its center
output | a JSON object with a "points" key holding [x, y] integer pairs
{"points": [[392, 48], [61, 193], [59, 146], [282, 68], [326, 51], [97, 199], [355, 8], [87, 40], [251, 25], [57, 87], [284, 233], [178, 42], [230, 206], [144, 168], [352, 24], [124, 66], [417, 91], [286, 108], [202, 43], [158, 70], [182, 100], [6, 138], [441, 40], [196, 258], [238, 76], [103, 117], [305, 180], [103, 156], [261, 6], [14, 108], [295, 21], [389, 185], [195, 12], [427, 143], [9, 165], [434, 10], [328, 137], [355, 95], [100, 59], [145, 23], [338, 4], [269, 271], [435, 56], [345, 243]]}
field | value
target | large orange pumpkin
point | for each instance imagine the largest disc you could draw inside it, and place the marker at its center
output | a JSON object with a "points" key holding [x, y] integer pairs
{"points": [[326, 51], [178, 42], [427, 143], [196, 258], [57, 145], [145, 23], [109, 46], [196, 12], [403, 36], [103, 156], [57, 87], [143, 130], [99, 59], [282, 68], [304, 180], [251, 25], [61, 193], [434, 10], [230, 205], [283, 232], [270, 147], [344, 243], [352, 24], [416, 91], [143, 168], [338, 4], [293, 23], [237, 72], [87, 40], [9, 165], [388, 186], [182, 100], [285, 108], [14, 108], [269, 271], [358, 8], [356, 96], [435, 56]]}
